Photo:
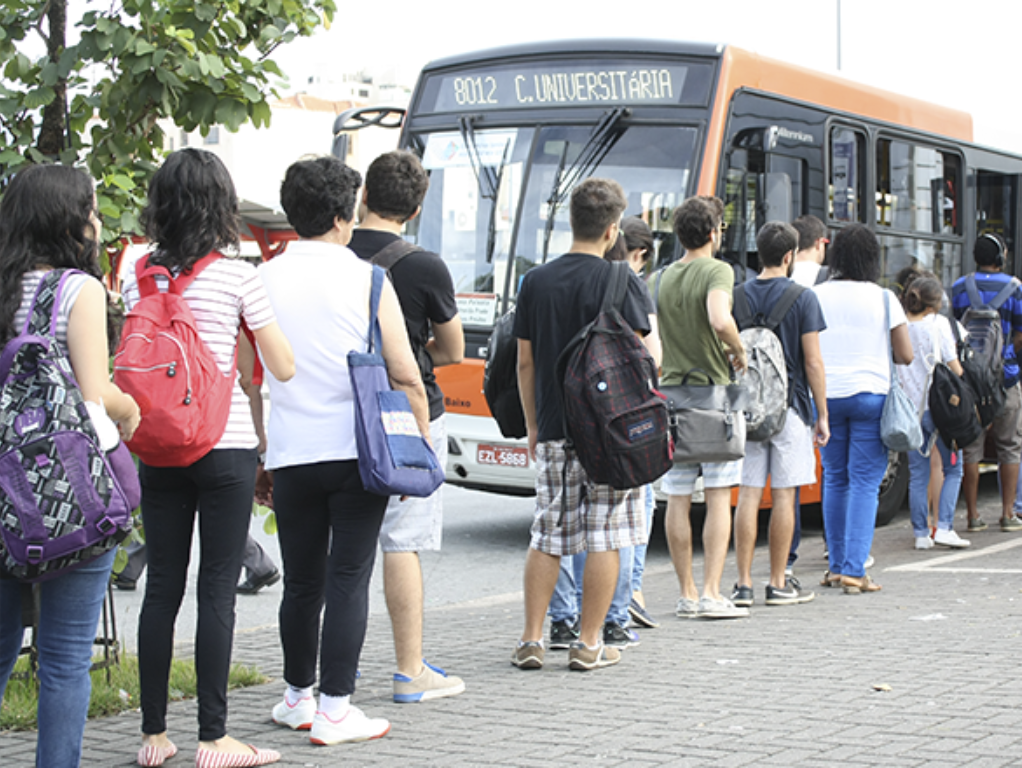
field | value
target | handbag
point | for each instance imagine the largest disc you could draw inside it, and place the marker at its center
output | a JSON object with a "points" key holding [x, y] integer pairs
{"points": [[707, 422], [900, 428], [394, 459]]}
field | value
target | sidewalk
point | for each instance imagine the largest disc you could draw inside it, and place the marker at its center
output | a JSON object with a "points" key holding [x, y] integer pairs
{"points": [[790, 686]]}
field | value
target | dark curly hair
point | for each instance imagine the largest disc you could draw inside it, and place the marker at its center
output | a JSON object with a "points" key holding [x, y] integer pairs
{"points": [[695, 219], [192, 209], [316, 192], [44, 221], [855, 254]]}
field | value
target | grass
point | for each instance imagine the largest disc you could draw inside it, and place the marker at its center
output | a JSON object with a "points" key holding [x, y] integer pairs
{"points": [[18, 712]]}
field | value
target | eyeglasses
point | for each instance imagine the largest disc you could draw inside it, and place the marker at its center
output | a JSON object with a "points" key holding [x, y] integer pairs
{"points": [[723, 226]]}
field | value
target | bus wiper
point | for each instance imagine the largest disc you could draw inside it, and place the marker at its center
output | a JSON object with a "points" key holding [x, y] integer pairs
{"points": [[602, 139], [493, 179]]}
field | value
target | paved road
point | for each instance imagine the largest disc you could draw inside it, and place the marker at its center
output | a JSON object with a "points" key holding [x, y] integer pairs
{"points": [[788, 686]]}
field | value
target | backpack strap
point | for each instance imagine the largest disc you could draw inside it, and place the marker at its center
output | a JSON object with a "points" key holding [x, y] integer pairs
{"points": [[617, 286], [146, 274], [741, 309], [393, 253], [1004, 294], [783, 305]]}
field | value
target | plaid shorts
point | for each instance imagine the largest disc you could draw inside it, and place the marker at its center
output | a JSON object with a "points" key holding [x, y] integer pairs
{"points": [[595, 517]]}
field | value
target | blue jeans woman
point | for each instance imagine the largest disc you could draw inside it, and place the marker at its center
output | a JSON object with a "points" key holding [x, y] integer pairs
{"points": [[854, 462]]}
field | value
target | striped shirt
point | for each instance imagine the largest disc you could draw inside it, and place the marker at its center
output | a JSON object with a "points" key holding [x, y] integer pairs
{"points": [[226, 291], [72, 287]]}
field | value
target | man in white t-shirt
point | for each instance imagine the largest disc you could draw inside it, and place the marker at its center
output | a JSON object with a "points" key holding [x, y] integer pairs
{"points": [[812, 248]]}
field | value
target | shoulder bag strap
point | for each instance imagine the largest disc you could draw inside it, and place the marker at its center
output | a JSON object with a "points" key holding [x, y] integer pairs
{"points": [[375, 334]]}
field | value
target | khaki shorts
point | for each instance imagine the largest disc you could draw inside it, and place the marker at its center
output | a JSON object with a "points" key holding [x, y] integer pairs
{"points": [[1005, 432], [574, 514], [787, 458]]}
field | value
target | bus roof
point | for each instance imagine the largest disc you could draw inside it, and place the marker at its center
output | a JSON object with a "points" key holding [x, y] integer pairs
{"points": [[744, 69]]}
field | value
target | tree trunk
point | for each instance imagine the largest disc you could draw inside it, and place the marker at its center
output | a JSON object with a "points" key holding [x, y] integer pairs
{"points": [[52, 134]]}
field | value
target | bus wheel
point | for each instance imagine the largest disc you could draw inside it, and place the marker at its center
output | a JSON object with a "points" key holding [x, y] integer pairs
{"points": [[893, 488]]}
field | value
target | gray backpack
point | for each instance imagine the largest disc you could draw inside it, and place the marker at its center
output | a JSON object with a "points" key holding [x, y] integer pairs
{"points": [[766, 378]]}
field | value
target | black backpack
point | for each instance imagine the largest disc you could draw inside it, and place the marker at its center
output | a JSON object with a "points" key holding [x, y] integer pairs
{"points": [[500, 378], [615, 420], [981, 353], [953, 408]]}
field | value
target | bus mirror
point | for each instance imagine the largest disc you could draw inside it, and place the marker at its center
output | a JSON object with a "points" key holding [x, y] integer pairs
{"points": [[778, 198]]}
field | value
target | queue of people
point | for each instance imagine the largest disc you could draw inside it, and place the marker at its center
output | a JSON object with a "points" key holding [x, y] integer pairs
{"points": [[305, 309], [303, 312], [843, 338]]}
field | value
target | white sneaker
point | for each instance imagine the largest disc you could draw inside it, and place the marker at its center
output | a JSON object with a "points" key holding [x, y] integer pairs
{"points": [[353, 726], [720, 609], [924, 542], [297, 717], [950, 539]]}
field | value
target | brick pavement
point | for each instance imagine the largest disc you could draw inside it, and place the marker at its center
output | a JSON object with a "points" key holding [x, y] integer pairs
{"points": [[791, 686]]}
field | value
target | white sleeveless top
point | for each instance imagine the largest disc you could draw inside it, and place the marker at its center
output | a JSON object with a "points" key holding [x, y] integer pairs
{"points": [[320, 295]]}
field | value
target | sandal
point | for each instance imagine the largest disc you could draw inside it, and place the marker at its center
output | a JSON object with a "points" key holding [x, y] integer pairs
{"points": [[831, 579], [854, 586], [211, 758]]}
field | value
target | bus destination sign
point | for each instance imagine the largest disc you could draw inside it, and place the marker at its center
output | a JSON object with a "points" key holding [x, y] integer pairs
{"points": [[550, 85]]}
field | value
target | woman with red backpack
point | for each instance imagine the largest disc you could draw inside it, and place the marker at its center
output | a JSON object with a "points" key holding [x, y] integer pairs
{"points": [[191, 217]]}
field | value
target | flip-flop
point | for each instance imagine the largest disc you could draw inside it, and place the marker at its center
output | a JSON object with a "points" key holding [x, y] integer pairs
{"points": [[151, 755], [212, 758]]}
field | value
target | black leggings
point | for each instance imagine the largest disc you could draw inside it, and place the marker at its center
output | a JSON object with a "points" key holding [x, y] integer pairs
{"points": [[328, 525], [220, 486]]}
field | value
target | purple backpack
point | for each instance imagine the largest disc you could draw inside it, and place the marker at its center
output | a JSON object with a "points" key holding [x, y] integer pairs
{"points": [[63, 500]]}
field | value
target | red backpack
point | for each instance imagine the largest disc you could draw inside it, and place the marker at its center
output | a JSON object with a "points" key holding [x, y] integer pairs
{"points": [[165, 365]]}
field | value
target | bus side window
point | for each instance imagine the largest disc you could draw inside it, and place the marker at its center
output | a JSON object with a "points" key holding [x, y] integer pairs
{"points": [[996, 203], [847, 177]]}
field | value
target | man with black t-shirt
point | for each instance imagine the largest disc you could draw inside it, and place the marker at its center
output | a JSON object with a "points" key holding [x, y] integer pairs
{"points": [[395, 185], [555, 301]]}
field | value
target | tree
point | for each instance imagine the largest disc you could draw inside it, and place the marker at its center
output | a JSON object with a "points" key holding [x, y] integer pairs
{"points": [[100, 101]]}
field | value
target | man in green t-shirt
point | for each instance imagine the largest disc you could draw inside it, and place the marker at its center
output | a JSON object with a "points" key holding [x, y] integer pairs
{"points": [[700, 338]]}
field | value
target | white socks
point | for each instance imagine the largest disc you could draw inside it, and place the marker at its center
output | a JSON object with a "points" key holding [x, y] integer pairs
{"points": [[334, 707]]}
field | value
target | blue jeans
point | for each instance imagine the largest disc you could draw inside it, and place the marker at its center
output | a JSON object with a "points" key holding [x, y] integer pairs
{"points": [[69, 607], [919, 480], [566, 602], [639, 554], [854, 462]]}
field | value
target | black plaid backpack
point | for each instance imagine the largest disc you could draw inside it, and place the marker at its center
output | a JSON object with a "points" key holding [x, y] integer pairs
{"points": [[63, 500], [615, 420]]}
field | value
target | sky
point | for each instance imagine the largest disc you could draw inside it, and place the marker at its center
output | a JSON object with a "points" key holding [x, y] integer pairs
{"points": [[959, 53]]}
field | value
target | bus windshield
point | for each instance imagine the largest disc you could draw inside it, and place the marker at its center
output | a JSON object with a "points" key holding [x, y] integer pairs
{"points": [[498, 198]]}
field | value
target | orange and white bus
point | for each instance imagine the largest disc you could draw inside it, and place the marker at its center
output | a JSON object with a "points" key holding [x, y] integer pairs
{"points": [[507, 133]]}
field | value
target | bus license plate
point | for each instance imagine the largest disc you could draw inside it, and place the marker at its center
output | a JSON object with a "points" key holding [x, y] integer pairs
{"points": [[502, 455]]}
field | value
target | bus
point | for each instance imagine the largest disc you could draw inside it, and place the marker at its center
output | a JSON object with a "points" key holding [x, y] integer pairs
{"points": [[507, 133]]}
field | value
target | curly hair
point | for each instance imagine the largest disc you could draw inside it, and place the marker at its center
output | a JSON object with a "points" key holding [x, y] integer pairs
{"points": [[318, 191], [855, 254], [695, 219], [44, 221], [192, 209]]}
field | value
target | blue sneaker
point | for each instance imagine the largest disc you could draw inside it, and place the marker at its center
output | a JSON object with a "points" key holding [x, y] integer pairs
{"points": [[617, 636]]}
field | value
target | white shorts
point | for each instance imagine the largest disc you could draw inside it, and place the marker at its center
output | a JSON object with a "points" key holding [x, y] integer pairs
{"points": [[787, 458], [416, 525], [680, 480]]}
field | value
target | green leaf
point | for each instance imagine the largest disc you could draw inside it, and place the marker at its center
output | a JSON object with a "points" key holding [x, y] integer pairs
{"points": [[39, 97], [231, 113], [121, 181]]}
